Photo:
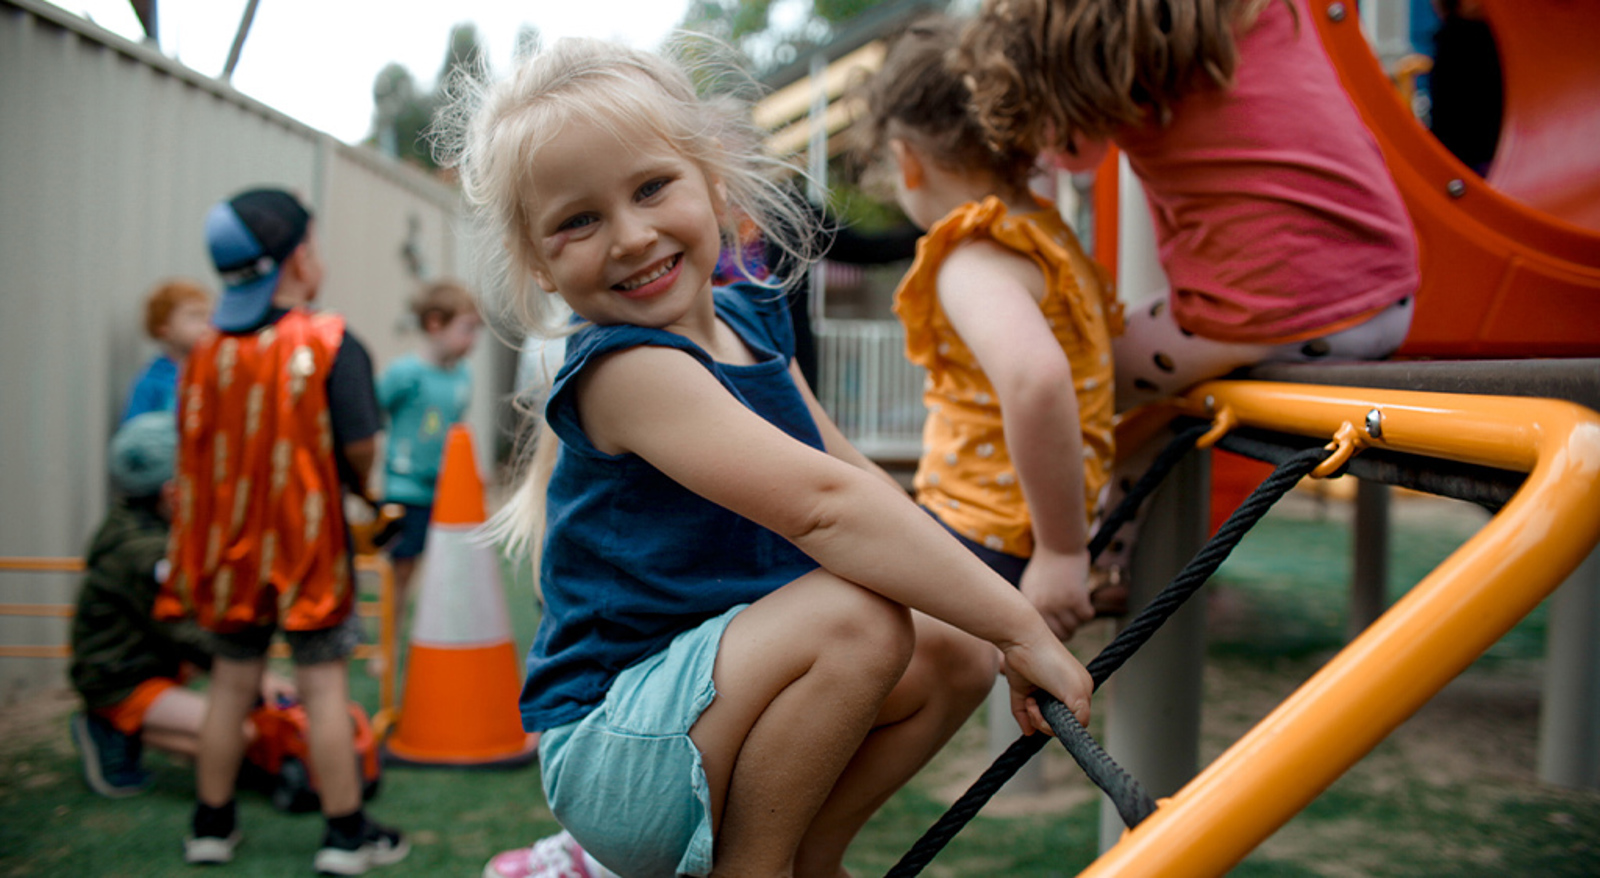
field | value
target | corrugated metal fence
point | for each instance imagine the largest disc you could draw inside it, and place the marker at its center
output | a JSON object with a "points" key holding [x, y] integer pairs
{"points": [[110, 154]]}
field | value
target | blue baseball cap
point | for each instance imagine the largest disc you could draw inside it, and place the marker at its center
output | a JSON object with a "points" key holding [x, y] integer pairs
{"points": [[250, 235]]}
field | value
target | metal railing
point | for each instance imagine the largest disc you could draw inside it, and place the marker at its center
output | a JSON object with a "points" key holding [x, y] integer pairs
{"points": [[1422, 642], [386, 648], [869, 388]]}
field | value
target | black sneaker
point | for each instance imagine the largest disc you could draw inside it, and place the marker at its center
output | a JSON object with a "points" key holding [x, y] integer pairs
{"points": [[110, 758], [205, 850], [213, 834], [377, 845]]}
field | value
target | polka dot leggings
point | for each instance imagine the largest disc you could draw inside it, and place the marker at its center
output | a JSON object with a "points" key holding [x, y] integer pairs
{"points": [[1157, 359]]}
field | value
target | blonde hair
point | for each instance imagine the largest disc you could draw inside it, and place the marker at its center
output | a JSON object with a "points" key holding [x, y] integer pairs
{"points": [[1046, 71], [443, 300], [492, 132], [918, 95]]}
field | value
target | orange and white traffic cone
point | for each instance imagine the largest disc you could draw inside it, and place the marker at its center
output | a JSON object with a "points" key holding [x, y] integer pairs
{"points": [[459, 705]]}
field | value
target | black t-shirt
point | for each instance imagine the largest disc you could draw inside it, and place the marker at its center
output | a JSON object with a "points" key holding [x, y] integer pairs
{"points": [[352, 403]]}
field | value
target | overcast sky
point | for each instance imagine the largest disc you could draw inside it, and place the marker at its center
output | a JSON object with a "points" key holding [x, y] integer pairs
{"points": [[316, 59]]}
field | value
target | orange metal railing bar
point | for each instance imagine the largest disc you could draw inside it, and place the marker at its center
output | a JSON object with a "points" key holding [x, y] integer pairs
{"points": [[387, 645], [43, 565], [1428, 637]]}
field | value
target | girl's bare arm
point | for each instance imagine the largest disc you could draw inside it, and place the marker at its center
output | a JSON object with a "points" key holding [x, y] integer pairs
{"points": [[991, 296], [660, 404]]}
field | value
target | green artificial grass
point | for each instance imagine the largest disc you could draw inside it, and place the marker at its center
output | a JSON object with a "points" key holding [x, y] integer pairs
{"points": [[1419, 805]]}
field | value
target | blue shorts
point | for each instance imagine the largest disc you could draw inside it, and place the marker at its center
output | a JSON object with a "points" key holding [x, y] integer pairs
{"points": [[625, 780], [413, 535]]}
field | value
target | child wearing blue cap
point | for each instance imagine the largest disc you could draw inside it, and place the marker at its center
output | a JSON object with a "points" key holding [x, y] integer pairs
{"points": [[277, 417]]}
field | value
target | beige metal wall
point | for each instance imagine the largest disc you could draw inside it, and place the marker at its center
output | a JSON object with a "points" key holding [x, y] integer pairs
{"points": [[110, 155]]}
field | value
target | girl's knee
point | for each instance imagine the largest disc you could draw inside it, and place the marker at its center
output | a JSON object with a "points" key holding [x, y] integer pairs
{"points": [[964, 664], [863, 623]]}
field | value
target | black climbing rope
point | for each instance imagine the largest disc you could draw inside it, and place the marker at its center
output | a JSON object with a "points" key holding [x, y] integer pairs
{"points": [[1128, 506], [1133, 803]]}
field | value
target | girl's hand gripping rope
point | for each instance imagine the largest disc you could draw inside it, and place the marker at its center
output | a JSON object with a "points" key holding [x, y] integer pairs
{"points": [[1039, 661]]}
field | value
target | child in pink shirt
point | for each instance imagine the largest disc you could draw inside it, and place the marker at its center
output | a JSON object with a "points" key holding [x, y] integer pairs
{"points": [[1282, 234]]}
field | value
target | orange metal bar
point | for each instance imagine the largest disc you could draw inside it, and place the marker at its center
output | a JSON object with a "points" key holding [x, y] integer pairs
{"points": [[65, 611], [388, 640], [42, 565], [59, 650], [1459, 610], [1107, 192], [61, 611], [387, 636]]}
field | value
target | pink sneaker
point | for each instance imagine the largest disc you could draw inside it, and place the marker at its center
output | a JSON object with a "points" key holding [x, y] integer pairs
{"points": [[558, 856]]}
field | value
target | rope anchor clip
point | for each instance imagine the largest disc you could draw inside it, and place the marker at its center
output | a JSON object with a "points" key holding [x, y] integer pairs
{"points": [[1223, 420], [1347, 440]]}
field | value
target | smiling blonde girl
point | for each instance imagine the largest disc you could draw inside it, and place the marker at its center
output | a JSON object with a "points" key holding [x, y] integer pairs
{"points": [[751, 637]]}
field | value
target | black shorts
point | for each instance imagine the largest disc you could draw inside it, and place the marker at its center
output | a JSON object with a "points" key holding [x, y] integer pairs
{"points": [[305, 647], [413, 535]]}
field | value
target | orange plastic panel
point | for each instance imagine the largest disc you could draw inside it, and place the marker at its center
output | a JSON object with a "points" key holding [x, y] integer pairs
{"points": [[1500, 277], [1548, 157]]}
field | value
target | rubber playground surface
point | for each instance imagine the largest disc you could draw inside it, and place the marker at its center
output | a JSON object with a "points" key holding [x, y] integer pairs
{"points": [[1452, 792]]}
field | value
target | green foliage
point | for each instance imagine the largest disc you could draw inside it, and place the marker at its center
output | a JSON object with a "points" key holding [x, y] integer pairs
{"points": [[729, 20], [402, 112], [860, 209], [748, 25], [839, 11]]}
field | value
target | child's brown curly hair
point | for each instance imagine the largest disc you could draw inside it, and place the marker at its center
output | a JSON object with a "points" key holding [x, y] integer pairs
{"points": [[919, 96], [1043, 72]]}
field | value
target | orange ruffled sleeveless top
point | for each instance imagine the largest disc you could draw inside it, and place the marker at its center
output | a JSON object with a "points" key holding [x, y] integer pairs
{"points": [[966, 476], [258, 533]]}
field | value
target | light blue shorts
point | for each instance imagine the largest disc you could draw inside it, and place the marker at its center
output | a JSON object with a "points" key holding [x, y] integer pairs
{"points": [[625, 780]]}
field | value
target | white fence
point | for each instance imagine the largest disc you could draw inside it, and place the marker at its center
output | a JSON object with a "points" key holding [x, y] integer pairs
{"points": [[869, 387]]}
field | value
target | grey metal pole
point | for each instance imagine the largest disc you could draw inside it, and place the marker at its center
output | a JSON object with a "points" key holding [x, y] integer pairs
{"points": [[1153, 709], [1369, 575], [1569, 711], [817, 169], [239, 38]]}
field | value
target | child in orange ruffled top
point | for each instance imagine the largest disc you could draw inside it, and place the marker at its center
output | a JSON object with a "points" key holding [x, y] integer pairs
{"points": [[1013, 323], [1282, 235]]}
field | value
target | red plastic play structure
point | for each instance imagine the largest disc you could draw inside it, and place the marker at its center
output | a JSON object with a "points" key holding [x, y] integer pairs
{"points": [[1511, 264]]}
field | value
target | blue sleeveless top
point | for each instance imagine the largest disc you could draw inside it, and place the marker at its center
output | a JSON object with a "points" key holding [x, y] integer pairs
{"points": [[632, 558]]}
